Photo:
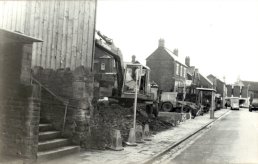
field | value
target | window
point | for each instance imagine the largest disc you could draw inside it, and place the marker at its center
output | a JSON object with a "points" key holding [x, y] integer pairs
{"points": [[184, 72], [102, 67], [177, 69], [114, 63]]}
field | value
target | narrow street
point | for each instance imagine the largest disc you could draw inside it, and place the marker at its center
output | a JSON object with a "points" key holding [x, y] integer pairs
{"points": [[233, 139]]}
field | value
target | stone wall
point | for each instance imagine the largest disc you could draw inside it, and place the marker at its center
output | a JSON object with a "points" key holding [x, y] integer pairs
{"points": [[19, 119], [76, 89], [19, 101]]}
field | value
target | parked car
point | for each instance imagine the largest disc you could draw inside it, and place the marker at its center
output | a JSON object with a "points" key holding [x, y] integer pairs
{"points": [[253, 104]]}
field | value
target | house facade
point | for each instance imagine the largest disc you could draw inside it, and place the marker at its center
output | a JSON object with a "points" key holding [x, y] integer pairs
{"points": [[167, 70], [218, 85]]}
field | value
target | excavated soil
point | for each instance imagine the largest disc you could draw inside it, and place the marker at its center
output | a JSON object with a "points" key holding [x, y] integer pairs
{"points": [[107, 117]]}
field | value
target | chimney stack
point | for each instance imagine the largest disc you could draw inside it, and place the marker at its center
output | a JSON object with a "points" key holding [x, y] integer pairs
{"points": [[133, 58], [175, 52], [187, 61], [161, 43]]}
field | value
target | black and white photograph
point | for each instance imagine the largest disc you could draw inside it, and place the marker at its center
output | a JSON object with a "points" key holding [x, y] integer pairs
{"points": [[128, 81]]}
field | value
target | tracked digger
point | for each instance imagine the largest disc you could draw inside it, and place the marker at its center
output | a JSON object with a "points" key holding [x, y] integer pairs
{"points": [[123, 90]]}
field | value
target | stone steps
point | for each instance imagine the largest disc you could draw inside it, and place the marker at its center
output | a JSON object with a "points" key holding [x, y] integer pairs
{"points": [[48, 135], [52, 145], [45, 127], [58, 152]]}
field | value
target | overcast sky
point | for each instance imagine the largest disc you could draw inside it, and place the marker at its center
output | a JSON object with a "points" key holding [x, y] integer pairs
{"points": [[220, 36]]}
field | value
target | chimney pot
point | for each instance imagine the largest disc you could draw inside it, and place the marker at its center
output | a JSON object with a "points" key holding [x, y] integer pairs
{"points": [[161, 43], [175, 52], [133, 58], [187, 61]]}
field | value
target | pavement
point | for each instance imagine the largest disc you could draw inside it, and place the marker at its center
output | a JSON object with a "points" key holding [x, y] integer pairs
{"points": [[145, 152]]}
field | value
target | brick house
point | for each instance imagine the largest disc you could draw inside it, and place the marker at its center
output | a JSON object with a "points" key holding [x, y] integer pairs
{"points": [[107, 59], [193, 76], [167, 69], [218, 85]]}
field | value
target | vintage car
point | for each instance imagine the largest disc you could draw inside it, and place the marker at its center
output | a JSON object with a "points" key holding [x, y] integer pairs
{"points": [[253, 104]]}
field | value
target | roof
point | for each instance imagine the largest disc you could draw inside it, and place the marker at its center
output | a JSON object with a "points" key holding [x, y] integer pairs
{"points": [[105, 57], [206, 89], [136, 64], [7, 36], [208, 82], [253, 85], [177, 58], [169, 53]]}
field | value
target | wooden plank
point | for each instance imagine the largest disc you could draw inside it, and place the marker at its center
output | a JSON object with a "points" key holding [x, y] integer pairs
{"points": [[55, 35], [65, 34], [27, 18], [40, 34], [37, 18], [90, 34], [11, 16], [32, 22], [61, 18], [44, 33], [36, 25], [22, 15], [50, 33], [70, 35], [80, 33], [1, 13], [75, 34], [85, 33], [18, 15], [7, 20]]}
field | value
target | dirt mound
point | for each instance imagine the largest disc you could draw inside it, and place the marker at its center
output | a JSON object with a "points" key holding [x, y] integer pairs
{"points": [[107, 117]]}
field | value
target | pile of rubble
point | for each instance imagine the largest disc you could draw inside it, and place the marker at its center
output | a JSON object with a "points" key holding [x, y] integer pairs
{"points": [[107, 117]]}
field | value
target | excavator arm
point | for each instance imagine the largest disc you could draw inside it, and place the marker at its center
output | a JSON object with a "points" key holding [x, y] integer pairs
{"points": [[119, 66]]}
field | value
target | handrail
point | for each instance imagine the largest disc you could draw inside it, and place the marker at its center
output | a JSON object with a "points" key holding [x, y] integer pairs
{"points": [[64, 101]]}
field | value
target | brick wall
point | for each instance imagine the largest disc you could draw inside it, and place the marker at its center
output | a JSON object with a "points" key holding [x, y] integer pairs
{"points": [[229, 90], [161, 73]]}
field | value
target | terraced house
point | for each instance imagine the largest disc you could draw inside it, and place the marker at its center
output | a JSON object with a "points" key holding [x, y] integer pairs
{"points": [[167, 68]]}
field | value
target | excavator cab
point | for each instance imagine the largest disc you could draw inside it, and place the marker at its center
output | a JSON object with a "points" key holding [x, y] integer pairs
{"points": [[142, 83]]}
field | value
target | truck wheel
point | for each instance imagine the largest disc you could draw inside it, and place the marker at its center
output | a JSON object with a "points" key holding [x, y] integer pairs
{"points": [[167, 106]]}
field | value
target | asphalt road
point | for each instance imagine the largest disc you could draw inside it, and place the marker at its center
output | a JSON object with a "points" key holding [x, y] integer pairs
{"points": [[232, 139]]}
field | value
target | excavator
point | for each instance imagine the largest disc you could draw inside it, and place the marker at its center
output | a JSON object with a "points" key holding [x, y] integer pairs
{"points": [[125, 81]]}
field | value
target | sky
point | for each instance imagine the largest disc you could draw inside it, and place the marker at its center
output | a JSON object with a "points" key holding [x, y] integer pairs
{"points": [[219, 36]]}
